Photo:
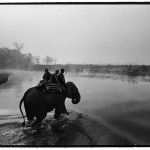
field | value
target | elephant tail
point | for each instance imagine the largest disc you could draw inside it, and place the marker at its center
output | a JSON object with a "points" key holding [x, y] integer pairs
{"points": [[22, 100]]}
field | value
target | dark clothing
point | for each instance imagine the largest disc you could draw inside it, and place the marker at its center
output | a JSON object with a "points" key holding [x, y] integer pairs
{"points": [[47, 76], [61, 78], [55, 78]]}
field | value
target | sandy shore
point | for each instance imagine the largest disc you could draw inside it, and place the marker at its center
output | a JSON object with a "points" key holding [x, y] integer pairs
{"points": [[73, 130]]}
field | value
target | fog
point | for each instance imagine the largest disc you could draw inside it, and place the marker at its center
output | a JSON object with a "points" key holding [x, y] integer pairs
{"points": [[93, 34]]}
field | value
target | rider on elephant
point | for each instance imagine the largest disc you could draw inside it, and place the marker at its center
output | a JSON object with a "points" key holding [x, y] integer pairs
{"points": [[47, 75], [61, 77], [54, 77]]}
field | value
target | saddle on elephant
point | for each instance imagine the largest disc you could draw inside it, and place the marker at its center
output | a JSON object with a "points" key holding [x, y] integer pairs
{"points": [[50, 87], [53, 87]]}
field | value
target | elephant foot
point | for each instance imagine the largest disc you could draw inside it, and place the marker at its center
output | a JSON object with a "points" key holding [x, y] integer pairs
{"points": [[29, 123], [27, 129], [66, 113], [48, 127], [34, 129], [37, 126]]}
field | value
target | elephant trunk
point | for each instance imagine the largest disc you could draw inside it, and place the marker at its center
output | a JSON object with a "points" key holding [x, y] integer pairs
{"points": [[77, 99]]}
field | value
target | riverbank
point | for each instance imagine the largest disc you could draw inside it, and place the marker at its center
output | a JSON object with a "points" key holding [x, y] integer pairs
{"points": [[4, 78], [73, 130], [125, 70]]}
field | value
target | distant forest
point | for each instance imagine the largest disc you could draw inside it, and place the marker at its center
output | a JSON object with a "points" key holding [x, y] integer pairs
{"points": [[15, 59]]}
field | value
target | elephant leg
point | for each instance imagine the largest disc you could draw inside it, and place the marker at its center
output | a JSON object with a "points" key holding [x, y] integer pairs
{"points": [[60, 109], [57, 113], [64, 110], [39, 118], [29, 113]]}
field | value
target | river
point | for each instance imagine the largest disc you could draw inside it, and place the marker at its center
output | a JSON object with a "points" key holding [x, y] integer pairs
{"points": [[116, 109]]}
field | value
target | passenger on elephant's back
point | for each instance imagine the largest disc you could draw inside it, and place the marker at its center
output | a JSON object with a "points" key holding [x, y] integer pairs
{"points": [[61, 77], [47, 75], [54, 77]]}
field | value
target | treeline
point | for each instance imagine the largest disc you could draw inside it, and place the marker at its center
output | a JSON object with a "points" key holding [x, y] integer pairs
{"points": [[129, 70], [15, 59]]}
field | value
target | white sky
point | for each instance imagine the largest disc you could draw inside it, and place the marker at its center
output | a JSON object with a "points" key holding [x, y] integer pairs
{"points": [[97, 34]]}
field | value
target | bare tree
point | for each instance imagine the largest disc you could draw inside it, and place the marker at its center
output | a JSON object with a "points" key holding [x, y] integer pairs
{"points": [[19, 46], [55, 60], [52, 60], [44, 61], [48, 60], [37, 59]]}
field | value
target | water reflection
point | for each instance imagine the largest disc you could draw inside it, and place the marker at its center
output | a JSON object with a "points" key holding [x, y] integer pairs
{"points": [[115, 77]]}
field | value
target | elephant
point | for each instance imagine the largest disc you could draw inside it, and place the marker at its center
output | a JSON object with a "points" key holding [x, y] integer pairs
{"points": [[37, 103]]}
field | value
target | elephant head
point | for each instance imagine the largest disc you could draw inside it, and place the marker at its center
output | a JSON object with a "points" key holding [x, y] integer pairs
{"points": [[73, 93]]}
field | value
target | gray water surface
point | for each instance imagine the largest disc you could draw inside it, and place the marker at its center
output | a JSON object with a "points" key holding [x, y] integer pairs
{"points": [[121, 103]]}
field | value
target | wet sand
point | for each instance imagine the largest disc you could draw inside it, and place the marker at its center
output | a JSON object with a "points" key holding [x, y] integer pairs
{"points": [[73, 130]]}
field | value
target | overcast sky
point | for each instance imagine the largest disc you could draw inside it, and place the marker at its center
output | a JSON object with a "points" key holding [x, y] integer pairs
{"points": [[93, 34]]}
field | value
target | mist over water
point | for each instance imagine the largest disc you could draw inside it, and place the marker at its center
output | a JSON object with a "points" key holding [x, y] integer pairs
{"points": [[122, 104]]}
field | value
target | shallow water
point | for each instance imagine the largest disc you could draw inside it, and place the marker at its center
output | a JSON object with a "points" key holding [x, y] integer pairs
{"points": [[120, 107]]}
